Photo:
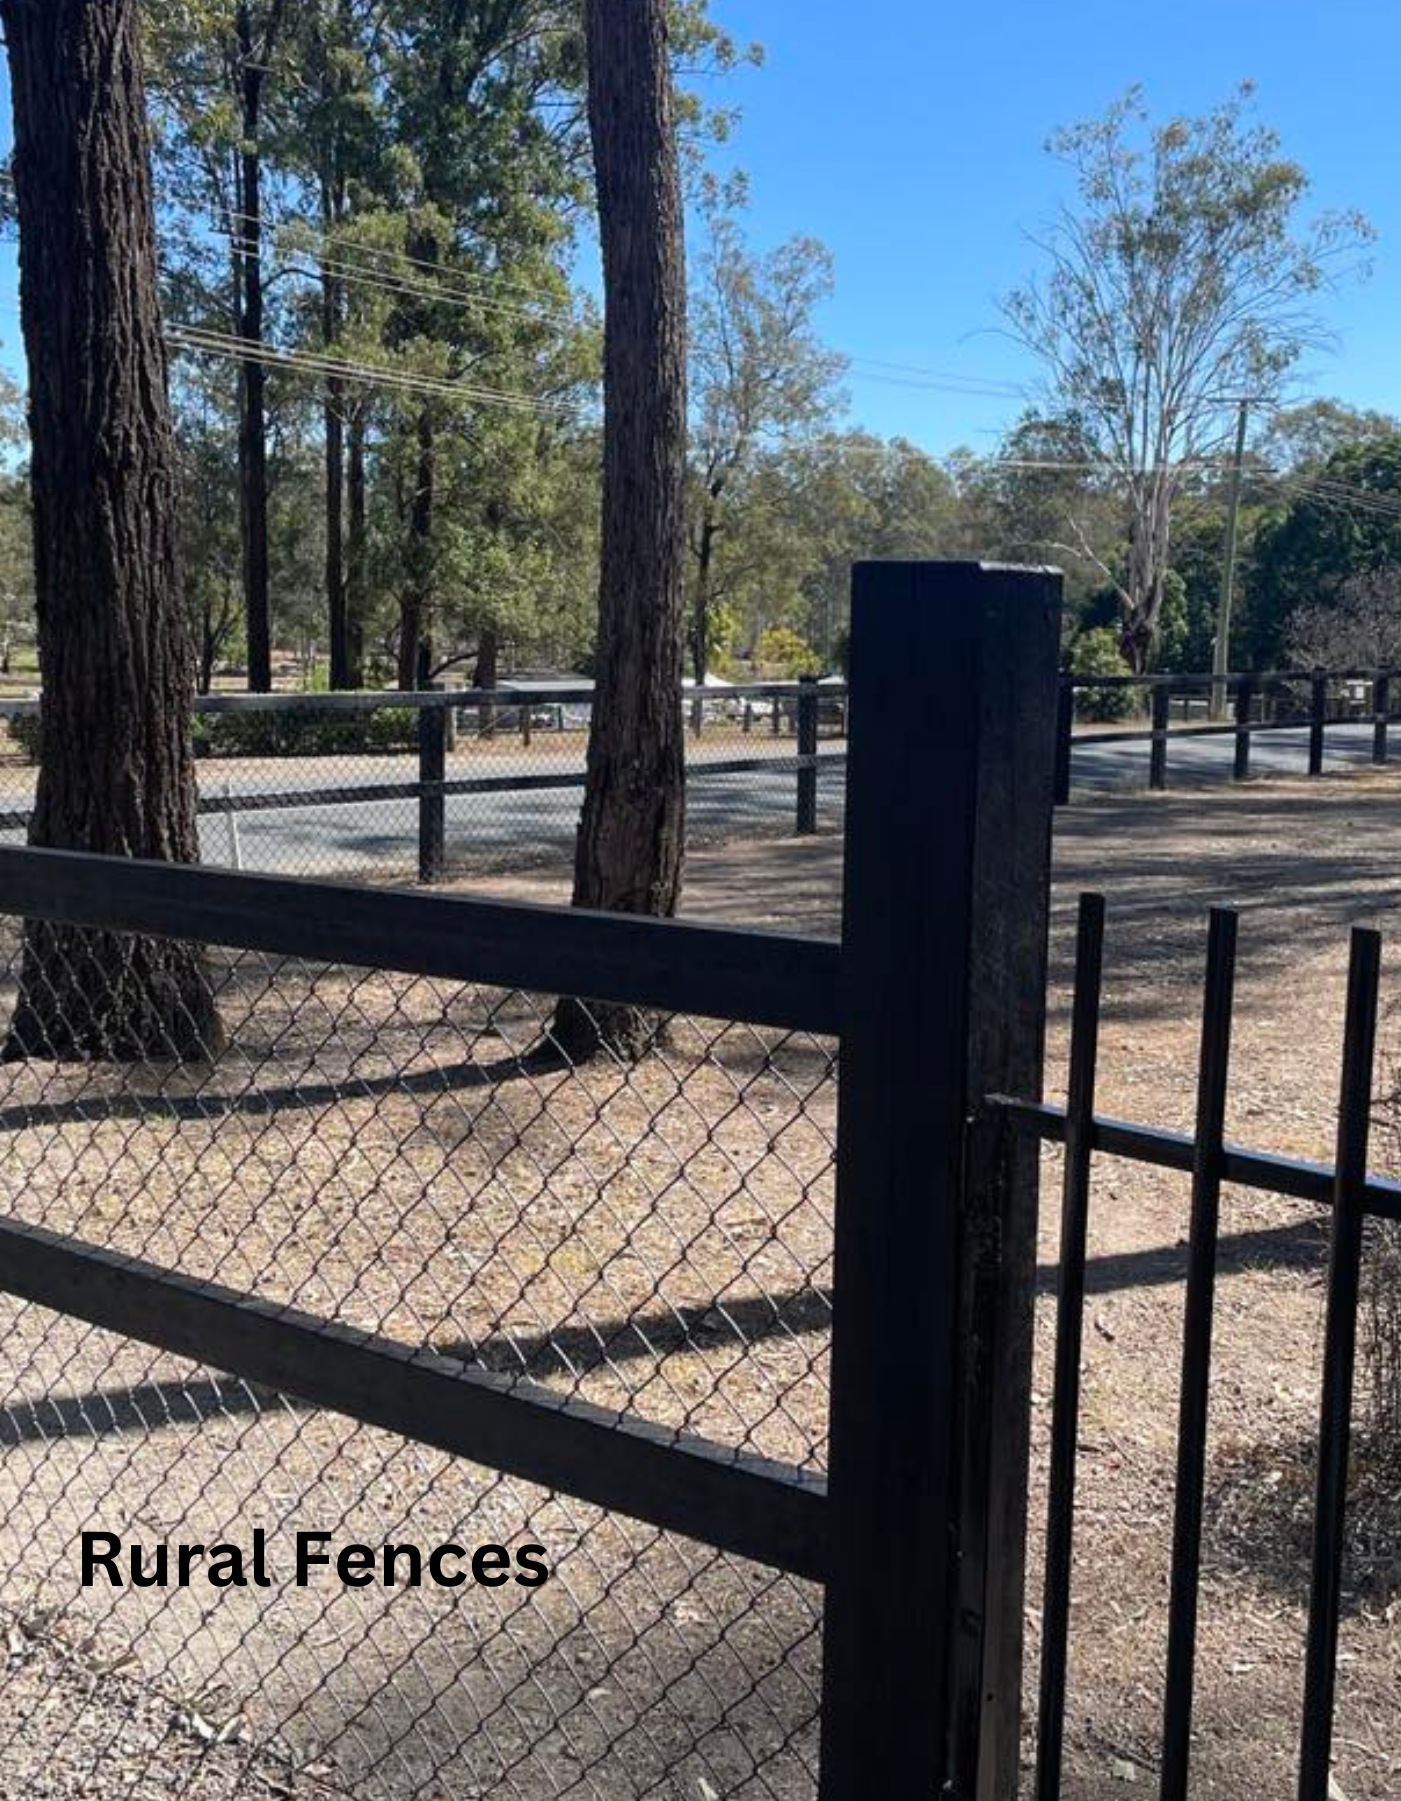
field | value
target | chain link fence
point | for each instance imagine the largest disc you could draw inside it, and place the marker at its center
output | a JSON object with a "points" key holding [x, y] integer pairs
{"points": [[406, 787], [412, 1157]]}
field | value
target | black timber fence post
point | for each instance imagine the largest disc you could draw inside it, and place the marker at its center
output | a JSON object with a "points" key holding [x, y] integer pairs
{"points": [[807, 747], [432, 773], [1245, 696], [1157, 749], [1381, 714], [1065, 732], [943, 1002], [1318, 713]]}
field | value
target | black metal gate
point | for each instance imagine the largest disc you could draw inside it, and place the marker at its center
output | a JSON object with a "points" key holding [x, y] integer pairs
{"points": [[1351, 1196]]}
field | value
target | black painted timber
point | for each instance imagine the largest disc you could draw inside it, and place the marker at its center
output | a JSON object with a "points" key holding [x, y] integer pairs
{"points": [[942, 987], [756, 1508], [1296, 1178], [716, 972], [805, 822], [432, 805], [1070, 1326]]}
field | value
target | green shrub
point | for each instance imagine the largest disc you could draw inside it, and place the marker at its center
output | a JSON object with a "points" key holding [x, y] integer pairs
{"points": [[291, 733], [1096, 652], [311, 733], [24, 729]]}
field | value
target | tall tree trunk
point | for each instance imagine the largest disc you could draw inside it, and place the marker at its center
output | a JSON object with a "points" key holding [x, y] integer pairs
{"points": [[631, 834], [355, 542], [1146, 586], [487, 669], [416, 602], [334, 433], [700, 609], [485, 675], [115, 772], [208, 648], [252, 374], [333, 203]]}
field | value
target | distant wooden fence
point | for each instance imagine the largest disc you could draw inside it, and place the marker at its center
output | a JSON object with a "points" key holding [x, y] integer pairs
{"points": [[1262, 701], [796, 710]]}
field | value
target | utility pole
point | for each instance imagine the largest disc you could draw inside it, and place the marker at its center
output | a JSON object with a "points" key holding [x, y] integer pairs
{"points": [[1221, 649]]}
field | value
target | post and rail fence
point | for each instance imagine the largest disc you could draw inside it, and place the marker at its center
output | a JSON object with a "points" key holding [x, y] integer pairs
{"points": [[1303, 704], [431, 783], [338, 1289], [741, 1332]]}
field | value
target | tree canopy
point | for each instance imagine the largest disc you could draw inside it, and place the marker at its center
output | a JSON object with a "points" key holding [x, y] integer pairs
{"points": [[1180, 281]]}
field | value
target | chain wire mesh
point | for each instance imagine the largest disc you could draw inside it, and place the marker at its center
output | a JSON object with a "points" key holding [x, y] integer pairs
{"points": [[410, 1156], [316, 785]]}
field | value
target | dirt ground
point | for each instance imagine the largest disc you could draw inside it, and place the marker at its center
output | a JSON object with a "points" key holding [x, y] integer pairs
{"points": [[1302, 862], [359, 1155]]}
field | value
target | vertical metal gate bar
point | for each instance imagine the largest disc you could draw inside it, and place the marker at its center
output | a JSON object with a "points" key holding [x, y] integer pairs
{"points": [[1212, 1075], [1070, 1308], [1339, 1353]]}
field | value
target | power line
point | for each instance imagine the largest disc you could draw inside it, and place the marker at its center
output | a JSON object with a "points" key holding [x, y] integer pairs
{"points": [[970, 390], [1005, 389], [199, 341], [465, 278], [354, 274]]}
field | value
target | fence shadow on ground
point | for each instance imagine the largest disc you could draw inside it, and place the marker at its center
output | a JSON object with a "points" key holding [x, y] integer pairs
{"points": [[576, 1350]]}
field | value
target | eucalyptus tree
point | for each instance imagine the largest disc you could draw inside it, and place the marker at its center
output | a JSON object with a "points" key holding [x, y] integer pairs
{"points": [[761, 379], [215, 66], [483, 97], [1181, 281], [631, 834], [115, 771]]}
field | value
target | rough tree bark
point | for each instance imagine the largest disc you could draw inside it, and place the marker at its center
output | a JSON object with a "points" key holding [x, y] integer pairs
{"points": [[356, 536], [115, 772], [631, 834], [334, 411], [416, 598], [254, 54]]}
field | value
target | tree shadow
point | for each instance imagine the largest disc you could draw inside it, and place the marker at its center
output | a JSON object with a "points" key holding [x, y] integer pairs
{"points": [[573, 1351], [204, 1103]]}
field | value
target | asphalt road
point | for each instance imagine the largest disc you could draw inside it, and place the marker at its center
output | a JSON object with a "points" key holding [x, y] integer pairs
{"points": [[483, 831], [496, 830], [1195, 762], [527, 827]]}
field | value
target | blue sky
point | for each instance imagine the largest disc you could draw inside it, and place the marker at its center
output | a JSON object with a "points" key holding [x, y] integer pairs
{"points": [[909, 134]]}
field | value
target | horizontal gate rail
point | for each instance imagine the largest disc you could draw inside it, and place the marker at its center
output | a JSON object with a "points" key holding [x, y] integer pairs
{"points": [[767, 1511], [716, 972], [526, 782], [1296, 1178]]}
